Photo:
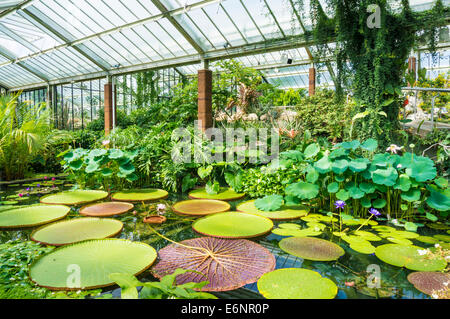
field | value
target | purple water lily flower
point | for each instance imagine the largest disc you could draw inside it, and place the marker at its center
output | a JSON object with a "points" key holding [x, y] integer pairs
{"points": [[28, 189], [340, 204], [374, 212], [38, 185]]}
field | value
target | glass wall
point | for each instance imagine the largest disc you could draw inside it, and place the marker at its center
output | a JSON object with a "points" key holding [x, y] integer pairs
{"points": [[34, 97]]}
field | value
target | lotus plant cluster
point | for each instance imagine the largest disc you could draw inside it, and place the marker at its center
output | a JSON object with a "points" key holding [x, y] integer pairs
{"points": [[366, 183]]}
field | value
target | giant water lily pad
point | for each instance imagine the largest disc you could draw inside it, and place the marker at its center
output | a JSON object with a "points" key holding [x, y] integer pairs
{"points": [[429, 282], [88, 264], [140, 195], [106, 209], [233, 225], [76, 230], [311, 248], [408, 256], [286, 212], [296, 283], [224, 193], [30, 216], [76, 197], [201, 207], [226, 264]]}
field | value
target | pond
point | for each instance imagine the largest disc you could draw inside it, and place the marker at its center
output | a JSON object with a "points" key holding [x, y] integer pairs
{"points": [[349, 272]]}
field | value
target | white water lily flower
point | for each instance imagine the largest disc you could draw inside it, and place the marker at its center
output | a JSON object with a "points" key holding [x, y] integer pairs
{"points": [[437, 245], [446, 283], [422, 252], [399, 166], [394, 148], [435, 296]]}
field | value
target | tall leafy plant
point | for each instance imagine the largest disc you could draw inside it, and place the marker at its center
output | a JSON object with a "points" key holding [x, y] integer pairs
{"points": [[22, 131]]}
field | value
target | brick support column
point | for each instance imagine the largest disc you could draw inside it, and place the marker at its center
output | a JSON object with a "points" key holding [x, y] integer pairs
{"points": [[205, 99], [109, 106], [412, 67], [312, 81]]}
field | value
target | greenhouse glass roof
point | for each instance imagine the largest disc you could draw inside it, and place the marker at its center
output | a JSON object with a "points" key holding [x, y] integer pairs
{"points": [[44, 42]]}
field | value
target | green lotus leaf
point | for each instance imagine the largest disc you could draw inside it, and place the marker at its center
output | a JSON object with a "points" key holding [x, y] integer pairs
{"points": [[316, 226], [115, 154], [224, 193], [296, 283], [233, 225], [352, 239], [366, 202], [312, 150], [441, 182], [98, 152], [269, 203], [312, 175], [403, 183], [311, 248], [342, 195], [409, 256], [76, 165], [370, 145], [323, 166], [339, 152], [422, 171], [358, 165], [431, 217], [355, 192], [412, 195], [76, 197], [132, 177], [106, 172], [367, 188], [127, 169], [439, 198], [94, 261], [340, 166], [410, 226], [303, 190], [29, 216], [92, 168], [140, 195], [387, 177], [76, 230], [333, 188], [379, 203], [285, 212], [353, 145]]}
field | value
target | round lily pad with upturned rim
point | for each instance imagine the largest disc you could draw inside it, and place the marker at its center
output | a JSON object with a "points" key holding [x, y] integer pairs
{"points": [[311, 248], [233, 225], [408, 256], [285, 213], [226, 264], [140, 195], [76, 197], [226, 194], [201, 207], [296, 283], [31, 216], [94, 261], [76, 230], [429, 282], [106, 209]]}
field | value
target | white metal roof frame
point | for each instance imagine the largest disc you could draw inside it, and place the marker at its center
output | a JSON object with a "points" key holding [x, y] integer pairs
{"points": [[48, 42]]}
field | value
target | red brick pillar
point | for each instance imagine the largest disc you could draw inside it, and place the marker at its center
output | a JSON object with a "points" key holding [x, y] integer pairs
{"points": [[109, 106], [312, 81], [205, 99], [412, 67]]}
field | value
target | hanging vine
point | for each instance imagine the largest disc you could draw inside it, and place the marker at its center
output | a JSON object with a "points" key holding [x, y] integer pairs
{"points": [[373, 41]]}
